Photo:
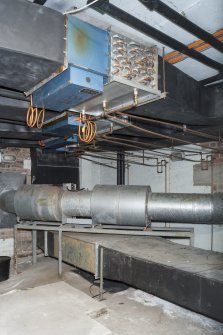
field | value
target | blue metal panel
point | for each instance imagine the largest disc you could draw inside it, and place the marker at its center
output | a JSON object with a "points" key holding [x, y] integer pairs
{"points": [[61, 142], [87, 46], [68, 89], [65, 127]]}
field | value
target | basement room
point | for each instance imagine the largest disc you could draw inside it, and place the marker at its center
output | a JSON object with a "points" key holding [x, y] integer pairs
{"points": [[111, 167]]}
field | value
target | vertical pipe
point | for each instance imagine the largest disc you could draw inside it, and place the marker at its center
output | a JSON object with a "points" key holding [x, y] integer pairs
{"points": [[212, 191], [165, 184], [128, 177], [164, 72], [120, 168]]}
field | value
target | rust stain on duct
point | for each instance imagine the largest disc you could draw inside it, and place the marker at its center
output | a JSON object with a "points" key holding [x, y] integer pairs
{"points": [[81, 40], [76, 252], [41, 202]]}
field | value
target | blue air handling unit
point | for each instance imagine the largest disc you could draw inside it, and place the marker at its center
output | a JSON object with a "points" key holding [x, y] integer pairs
{"points": [[64, 129], [88, 67], [69, 88]]}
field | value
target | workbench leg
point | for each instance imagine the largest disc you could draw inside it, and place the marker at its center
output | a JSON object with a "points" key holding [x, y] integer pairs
{"points": [[192, 239], [15, 251], [101, 288], [34, 245], [60, 256], [46, 243]]}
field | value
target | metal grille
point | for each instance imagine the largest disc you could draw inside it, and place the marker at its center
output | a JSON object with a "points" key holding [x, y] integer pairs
{"points": [[133, 61]]}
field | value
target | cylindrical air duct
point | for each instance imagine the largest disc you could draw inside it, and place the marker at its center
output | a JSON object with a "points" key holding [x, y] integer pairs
{"points": [[39, 202], [183, 207], [118, 205]]}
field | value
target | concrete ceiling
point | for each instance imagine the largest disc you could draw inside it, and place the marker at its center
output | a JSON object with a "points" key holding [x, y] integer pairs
{"points": [[208, 14]]}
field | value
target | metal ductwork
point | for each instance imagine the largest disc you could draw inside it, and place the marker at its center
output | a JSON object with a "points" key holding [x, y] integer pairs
{"points": [[118, 205]]}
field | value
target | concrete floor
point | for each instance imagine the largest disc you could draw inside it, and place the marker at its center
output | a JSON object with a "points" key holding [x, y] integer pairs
{"points": [[129, 311]]}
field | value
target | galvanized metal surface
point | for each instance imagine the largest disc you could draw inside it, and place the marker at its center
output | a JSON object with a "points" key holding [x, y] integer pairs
{"points": [[114, 205], [191, 208], [76, 204], [76, 252], [172, 233], [119, 205], [82, 252], [117, 94], [9, 182], [38, 202], [32, 43]]}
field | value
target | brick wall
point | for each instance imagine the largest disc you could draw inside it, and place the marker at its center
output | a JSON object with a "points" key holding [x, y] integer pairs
{"points": [[24, 242], [21, 165]]}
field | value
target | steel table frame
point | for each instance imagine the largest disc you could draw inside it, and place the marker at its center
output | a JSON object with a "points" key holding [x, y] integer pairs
{"points": [[60, 228]]}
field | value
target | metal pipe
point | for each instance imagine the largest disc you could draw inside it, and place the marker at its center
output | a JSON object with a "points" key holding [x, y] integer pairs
{"points": [[119, 205], [39, 202], [76, 203], [188, 208], [120, 168], [111, 204]]}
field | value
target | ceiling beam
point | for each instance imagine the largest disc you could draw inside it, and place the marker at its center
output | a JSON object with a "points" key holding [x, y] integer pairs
{"points": [[211, 80], [180, 20], [104, 7], [4, 143], [40, 2]]}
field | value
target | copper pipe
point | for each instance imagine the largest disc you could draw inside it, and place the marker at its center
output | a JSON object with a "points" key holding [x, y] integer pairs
{"points": [[150, 132], [195, 132]]}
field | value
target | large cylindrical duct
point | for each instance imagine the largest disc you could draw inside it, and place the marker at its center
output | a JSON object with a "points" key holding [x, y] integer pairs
{"points": [[39, 202], [76, 203], [118, 205], [7, 201], [183, 207]]}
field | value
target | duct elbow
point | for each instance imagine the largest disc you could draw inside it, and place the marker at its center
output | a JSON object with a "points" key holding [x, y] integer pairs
{"points": [[7, 201]]}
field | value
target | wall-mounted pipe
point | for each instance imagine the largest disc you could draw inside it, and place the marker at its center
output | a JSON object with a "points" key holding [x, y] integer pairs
{"points": [[118, 205], [120, 168]]}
